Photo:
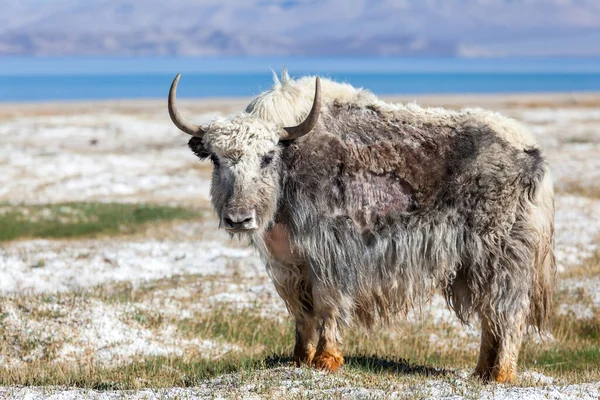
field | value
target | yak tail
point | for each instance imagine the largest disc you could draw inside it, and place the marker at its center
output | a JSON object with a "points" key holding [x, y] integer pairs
{"points": [[542, 213]]}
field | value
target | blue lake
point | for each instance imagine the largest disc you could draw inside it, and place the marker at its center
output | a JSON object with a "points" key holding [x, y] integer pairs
{"points": [[42, 79]]}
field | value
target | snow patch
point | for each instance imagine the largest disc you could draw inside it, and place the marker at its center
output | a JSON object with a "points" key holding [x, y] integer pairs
{"points": [[92, 331], [79, 264]]}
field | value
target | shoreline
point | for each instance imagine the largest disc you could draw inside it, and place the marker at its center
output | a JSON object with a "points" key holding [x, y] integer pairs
{"points": [[565, 99]]}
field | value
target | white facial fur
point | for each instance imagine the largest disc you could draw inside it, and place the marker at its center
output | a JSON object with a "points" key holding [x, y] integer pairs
{"points": [[245, 183]]}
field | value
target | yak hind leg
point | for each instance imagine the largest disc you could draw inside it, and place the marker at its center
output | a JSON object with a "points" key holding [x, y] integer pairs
{"points": [[328, 355], [499, 349], [488, 352]]}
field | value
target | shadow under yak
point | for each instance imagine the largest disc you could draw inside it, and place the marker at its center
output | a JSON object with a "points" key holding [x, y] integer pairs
{"points": [[370, 364]]}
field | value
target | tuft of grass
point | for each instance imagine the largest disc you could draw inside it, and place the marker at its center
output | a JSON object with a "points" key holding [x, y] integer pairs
{"points": [[68, 220], [578, 140]]}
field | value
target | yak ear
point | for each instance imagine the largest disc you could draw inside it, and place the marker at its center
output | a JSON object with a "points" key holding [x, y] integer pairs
{"points": [[197, 146]]}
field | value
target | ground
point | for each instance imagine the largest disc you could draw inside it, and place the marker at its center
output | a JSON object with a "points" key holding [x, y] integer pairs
{"points": [[154, 302]]}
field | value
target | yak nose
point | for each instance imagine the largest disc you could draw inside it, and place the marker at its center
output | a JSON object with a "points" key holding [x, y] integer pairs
{"points": [[240, 221]]}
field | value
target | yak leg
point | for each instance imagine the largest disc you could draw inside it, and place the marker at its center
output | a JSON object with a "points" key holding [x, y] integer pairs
{"points": [[499, 349], [505, 370], [488, 351], [328, 355], [306, 340], [294, 289], [292, 284], [306, 328]]}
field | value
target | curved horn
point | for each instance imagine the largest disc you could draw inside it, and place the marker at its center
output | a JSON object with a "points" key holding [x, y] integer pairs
{"points": [[309, 123], [177, 119]]}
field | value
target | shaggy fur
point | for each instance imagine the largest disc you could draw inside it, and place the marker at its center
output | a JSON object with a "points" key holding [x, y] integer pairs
{"points": [[382, 204]]}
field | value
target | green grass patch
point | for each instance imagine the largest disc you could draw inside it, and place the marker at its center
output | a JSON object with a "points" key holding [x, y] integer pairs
{"points": [[574, 356], [561, 360], [69, 220]]}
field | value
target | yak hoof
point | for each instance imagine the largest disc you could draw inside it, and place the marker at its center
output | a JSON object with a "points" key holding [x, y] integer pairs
{"points": [[504, 376], [304, 355], [496, 375], [329, 360]]}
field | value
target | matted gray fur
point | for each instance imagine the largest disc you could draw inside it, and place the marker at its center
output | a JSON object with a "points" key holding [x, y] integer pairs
{"points": [[380, 205]]}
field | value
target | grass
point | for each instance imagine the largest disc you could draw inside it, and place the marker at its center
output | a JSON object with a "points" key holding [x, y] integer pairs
{"points": [[390, 357], [263, 343], [69, 220], [247, 329], [156, 372], [574, 356]]}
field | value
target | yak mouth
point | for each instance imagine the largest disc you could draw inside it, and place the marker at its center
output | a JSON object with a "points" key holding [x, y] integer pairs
{"points": [[241, 230]]}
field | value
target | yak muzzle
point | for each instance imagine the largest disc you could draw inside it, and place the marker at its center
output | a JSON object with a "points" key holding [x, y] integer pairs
{"points": [[239, 222]]}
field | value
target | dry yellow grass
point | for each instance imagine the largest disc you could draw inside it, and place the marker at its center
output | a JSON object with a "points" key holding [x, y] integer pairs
{"points": [[263, 342]]}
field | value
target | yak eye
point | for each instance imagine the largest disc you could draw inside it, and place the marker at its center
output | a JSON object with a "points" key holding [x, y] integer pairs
{"points": [[266, 160], [215, 160]]}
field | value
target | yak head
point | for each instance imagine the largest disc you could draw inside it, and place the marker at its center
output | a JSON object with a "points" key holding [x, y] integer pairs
{"points": [[246, 154]]}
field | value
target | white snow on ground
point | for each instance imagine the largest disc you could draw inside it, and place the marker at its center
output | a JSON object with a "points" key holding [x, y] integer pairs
{"points": [[560, 115], [243, 296], [97, 157], [577, 230], [54, 266], [288, 382], [577, 288], [94, 331]]}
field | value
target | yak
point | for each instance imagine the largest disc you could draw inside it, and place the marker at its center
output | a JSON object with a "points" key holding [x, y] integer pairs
{"points": [[363, 209]]}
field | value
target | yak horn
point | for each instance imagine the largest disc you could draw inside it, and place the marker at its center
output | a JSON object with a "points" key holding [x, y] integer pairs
{"points": [[177, 119], [309, 123]]}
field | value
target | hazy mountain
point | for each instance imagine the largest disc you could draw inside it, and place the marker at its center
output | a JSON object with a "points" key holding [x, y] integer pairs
{"points": [[302, 27]]}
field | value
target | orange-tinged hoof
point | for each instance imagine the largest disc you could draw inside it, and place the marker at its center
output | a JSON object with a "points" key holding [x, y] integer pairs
{"points": [[329, 360], [505, 376], [498, 376], [304, 355]]}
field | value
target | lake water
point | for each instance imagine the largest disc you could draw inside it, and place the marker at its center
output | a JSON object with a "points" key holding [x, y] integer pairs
{"points": [[41, 79]]}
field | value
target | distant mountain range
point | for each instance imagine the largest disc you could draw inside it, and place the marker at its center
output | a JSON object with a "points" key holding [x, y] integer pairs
{"points": [[471, 28]]}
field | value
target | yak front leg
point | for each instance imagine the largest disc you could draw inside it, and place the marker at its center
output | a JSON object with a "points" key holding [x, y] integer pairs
{"points": [[306, 340], [306, 325], [328, 355]]}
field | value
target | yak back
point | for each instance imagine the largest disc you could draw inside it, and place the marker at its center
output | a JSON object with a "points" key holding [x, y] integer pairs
{"points": [[368, 162]]}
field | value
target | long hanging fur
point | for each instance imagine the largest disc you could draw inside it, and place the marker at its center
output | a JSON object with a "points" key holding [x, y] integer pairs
{"points": [[478, 226]]}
